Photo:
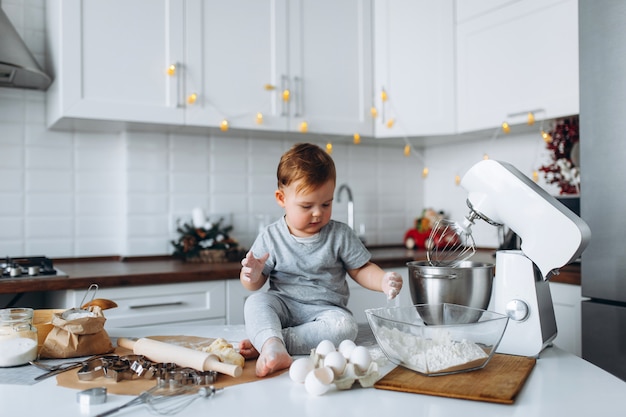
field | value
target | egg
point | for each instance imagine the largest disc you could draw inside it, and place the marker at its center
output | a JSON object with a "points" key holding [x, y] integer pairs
{"points": [[317, 382], [324, 347], [300, 368], [361, 358], [335, 361], [346, 347]]}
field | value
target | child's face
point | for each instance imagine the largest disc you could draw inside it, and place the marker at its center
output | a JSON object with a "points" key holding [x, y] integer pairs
{"points": [[306, 213]]}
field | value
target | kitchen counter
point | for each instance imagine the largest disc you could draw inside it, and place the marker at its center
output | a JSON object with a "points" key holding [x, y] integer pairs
{"points": [[560, 384], [117, 271]]}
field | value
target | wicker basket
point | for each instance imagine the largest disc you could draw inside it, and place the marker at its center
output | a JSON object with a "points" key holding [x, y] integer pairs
{"points": [[213, 256]]}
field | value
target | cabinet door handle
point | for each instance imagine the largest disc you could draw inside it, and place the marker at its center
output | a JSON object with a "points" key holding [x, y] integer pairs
{"points": [[171, 304], [174, 70], [285, 94], [299, 91]]}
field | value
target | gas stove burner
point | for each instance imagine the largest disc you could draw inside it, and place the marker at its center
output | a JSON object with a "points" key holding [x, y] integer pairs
{"points": [[26, 266]]}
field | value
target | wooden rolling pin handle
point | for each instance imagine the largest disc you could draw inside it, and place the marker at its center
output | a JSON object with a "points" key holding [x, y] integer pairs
{"points": [[126, 343], [210, 363]]}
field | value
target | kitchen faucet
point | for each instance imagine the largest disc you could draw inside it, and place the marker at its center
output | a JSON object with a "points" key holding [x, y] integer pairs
{"points": [[350, 203]]}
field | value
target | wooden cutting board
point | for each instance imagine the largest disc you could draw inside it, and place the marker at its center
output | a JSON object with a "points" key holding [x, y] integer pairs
{"points": [[498, 382]]}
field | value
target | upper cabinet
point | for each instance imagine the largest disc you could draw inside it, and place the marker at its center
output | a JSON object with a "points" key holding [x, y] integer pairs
{"points": [[262, 64], [427, 67], [329, 70], [282, 65], [414, 67], [514, 57], [110, 61]]}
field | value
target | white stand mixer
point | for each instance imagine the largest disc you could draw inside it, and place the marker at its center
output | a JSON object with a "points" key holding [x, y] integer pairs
{"points": [[551, 237]]}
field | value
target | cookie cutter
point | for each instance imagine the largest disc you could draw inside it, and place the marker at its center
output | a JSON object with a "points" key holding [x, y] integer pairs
{"points": [[131, 367], [92, 396]]}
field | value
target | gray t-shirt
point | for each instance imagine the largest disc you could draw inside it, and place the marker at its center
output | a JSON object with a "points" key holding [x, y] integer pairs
{"points": [[311, 271]]}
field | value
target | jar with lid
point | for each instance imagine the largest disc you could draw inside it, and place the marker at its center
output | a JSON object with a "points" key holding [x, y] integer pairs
{"points": [[18, 337]]}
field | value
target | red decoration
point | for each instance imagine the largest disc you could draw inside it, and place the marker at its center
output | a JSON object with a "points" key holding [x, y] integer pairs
{"points": [[563, 171]]}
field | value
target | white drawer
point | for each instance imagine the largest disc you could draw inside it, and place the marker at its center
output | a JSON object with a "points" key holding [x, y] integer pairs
{"points": [[156, 304]]}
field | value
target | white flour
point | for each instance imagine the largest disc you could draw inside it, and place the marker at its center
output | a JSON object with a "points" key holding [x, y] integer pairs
{"points": [[430, 355], [17, 351]]}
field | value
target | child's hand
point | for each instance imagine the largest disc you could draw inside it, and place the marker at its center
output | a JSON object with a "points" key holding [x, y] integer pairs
{"points": [[252, 267], [392, 284]]}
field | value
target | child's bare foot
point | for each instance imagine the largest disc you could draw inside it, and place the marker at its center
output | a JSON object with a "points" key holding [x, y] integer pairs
{"points": [[247, 350], [274, 357]]}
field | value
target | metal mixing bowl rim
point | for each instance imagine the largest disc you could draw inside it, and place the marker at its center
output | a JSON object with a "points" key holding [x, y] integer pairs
{"points": [[463, 265]]}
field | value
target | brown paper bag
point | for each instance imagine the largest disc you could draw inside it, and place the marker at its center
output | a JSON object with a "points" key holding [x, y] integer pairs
{"points": [[71, 338]]}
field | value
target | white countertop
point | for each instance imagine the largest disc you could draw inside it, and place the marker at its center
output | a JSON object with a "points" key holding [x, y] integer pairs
{"points": [[561, 384]]}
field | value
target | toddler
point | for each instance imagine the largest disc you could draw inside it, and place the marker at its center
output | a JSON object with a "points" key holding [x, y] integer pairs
{"points": [[305, 255]]}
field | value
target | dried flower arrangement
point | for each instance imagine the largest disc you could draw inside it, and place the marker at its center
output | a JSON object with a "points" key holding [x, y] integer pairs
{"points": [[563, 144]]}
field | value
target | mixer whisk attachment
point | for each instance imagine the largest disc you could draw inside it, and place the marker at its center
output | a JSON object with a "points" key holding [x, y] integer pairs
{"points": [[451, 243]]}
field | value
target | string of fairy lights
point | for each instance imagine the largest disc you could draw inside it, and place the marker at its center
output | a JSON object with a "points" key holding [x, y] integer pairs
{"points": [[409, 148]]}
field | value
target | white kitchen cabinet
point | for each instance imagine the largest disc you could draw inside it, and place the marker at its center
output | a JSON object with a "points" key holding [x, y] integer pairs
{"points": [[313, 57], [110, 59], [329, 72], [153, 305], [567, 301], [415, 66], [231, 61], [514, 57]]}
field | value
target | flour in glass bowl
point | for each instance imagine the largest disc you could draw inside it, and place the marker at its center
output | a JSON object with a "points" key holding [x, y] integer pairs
{"points": [[17, 351], [430, 355]]}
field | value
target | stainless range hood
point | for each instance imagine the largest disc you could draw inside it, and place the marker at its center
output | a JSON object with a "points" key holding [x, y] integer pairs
{"points": [[18, 68]]}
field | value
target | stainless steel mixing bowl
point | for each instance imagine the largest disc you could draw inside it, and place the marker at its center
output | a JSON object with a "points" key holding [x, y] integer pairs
{"points": [[468, 284]]}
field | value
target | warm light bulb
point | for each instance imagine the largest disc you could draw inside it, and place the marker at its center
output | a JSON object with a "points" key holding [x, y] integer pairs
{"points": [[192, 98], [546, 137], [383, 95], [171, 70], [485, 156], [304, 127], [425, 172], [224, 125], [329, 148], [535, 176], [269, 87], [390, 123], [374, 112], [259, 118], [407, 150], [286, 95], [531, 118], [356, 138], [457, 179], [506, 128]]}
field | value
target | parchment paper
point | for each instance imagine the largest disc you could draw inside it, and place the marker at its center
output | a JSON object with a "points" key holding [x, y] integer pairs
{"points": [[70, 379]]}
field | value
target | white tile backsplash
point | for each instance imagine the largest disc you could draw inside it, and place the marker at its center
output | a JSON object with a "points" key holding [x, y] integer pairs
{"points": [[49, 181]]}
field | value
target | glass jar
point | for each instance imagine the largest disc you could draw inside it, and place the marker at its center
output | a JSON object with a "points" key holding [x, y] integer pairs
{"points": [[18, 337]]}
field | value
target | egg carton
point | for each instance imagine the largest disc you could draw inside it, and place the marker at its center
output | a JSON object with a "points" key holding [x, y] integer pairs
{"points": [[351, 374]]}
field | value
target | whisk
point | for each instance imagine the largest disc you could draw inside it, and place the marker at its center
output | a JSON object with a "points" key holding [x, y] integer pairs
{"points": [[451, 243], [167, 398]]}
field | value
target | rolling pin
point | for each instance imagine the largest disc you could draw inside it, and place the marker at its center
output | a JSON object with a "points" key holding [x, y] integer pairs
{"points": [[166, 352]]}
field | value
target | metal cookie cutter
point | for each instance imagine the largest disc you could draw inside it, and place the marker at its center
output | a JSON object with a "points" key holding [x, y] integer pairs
{"points": [[94, 368], [92, 396]]}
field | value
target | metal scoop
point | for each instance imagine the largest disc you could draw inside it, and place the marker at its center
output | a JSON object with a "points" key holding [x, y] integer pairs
{"points": [[77, 312], [451, 243]]}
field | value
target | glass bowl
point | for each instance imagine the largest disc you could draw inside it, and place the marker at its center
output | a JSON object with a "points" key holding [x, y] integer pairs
{"points": [[464, 338]]}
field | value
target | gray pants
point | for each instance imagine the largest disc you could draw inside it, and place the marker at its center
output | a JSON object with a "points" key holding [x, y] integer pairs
{"points": [[300, 326]]}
